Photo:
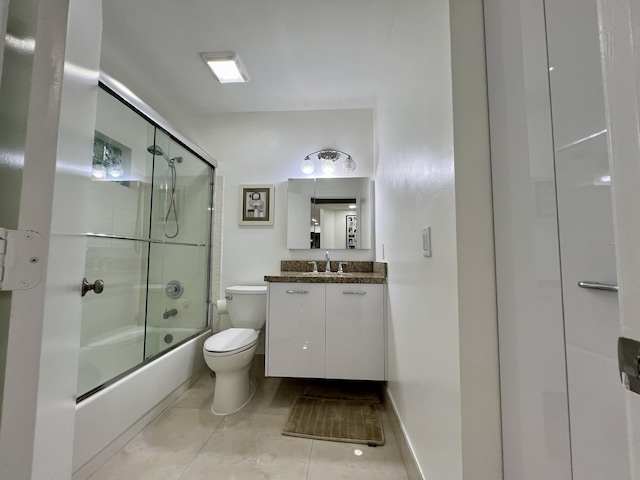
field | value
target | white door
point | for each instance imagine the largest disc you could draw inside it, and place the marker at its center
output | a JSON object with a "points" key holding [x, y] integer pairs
{"points": [[355, 331], [620, 44], [48, 112], [599, 446], [296, 330]]}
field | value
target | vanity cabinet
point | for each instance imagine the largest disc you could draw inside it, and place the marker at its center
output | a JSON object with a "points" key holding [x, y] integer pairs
{"points": [[326, 330]]}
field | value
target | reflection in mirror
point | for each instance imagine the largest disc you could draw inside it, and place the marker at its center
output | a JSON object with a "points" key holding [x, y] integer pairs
{"points": [[329, 213]]}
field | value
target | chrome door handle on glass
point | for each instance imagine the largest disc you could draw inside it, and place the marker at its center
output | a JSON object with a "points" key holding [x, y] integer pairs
{"points": [[598, 286], [97, 286]]}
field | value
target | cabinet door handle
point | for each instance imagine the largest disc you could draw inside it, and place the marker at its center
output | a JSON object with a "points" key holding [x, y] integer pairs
{"points": [[598, 286], [346, 292], [298, 291]]}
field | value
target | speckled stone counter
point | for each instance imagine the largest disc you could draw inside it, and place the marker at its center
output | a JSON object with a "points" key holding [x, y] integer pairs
{"points": [[297, 271]]}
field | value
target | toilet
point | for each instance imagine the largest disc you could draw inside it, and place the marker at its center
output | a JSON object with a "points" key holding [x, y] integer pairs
{"points": [[230, 352]]}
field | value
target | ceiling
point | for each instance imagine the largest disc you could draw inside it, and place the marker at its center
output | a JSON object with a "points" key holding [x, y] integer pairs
{"points": [[300, 54]]}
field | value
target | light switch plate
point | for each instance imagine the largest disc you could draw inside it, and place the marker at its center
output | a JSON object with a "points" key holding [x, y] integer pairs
{"points": [[426, 241]]}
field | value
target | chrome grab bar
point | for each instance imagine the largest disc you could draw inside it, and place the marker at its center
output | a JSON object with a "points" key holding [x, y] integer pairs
{"points": [[598, 286], [345, 292], [298, 291]]}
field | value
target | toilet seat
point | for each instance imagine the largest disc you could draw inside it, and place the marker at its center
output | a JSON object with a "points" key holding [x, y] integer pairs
{"points": [[247, 289], [230, 341]]}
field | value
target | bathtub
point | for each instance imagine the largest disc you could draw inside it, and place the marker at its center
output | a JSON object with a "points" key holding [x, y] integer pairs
{"points": [[108, 419], [160, 338], [108, 356]]}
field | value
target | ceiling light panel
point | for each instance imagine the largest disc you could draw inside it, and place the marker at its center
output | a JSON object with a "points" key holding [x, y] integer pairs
{"points": [[226, 67]]}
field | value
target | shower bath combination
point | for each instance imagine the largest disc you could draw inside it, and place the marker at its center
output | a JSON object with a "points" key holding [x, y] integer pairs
{"points": [[156, 150]]}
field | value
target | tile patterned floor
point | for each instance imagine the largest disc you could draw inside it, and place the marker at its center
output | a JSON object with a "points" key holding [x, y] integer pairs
{"points": [[187, 442]]}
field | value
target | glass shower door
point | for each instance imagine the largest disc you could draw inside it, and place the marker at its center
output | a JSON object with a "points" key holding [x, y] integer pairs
{"points": [[148, 243], [180, 226], [112, 338]]}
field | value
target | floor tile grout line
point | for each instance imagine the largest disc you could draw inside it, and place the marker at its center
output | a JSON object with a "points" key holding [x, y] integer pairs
{"points": [[309, 460], [200, 449]]}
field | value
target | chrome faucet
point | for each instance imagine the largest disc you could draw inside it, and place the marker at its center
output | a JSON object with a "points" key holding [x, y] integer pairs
{"points": [[169, 313], [327, 268]]}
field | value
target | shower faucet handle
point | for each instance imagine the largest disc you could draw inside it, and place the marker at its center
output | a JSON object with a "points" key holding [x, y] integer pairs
{"points": [[97, 286]]}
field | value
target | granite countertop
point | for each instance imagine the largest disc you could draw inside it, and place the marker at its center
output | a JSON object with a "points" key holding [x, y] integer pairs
{"points": [[361, 272], [322, 277]]}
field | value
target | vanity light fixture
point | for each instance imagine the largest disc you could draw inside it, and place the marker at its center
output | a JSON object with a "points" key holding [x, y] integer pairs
{"points": [[327, 158], [226, 67]]}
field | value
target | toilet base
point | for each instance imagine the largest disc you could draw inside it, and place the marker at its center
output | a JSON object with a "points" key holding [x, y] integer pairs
{"points": [[232, 392]]}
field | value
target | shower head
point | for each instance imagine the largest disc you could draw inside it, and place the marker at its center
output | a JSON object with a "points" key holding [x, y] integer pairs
{"points": [[157, 150]]}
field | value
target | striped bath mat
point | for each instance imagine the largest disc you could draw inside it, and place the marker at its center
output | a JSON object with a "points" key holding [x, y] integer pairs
{"points": [[350, 421]]}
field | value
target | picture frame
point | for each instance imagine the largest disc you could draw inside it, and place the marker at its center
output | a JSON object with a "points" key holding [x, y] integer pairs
{"points": [[351, 241], [255, 205]]}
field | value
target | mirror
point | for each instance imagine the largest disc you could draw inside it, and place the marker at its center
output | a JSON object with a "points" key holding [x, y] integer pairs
{"points": [[329, 213]]}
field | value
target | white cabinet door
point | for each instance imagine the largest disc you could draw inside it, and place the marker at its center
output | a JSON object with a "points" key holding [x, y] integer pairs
{"points": [[355, 331], [295, 330]]}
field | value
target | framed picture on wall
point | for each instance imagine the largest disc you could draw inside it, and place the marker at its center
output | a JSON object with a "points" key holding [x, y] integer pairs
{"points": [[256, 205], [352, 231]]}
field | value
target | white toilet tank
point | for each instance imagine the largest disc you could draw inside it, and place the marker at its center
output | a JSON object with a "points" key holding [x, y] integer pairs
{"points": [[247, 306]]}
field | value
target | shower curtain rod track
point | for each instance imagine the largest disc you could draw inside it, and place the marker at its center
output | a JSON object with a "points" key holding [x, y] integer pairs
{"points": [[146, 240]]}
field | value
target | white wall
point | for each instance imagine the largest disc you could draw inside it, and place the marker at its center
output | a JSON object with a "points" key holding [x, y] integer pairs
{"points": [[433, 303], [268, 148]]}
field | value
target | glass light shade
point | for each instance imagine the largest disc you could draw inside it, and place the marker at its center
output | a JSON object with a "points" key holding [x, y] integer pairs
{"points": [[307, 166], [349, 165], [328, 166]]}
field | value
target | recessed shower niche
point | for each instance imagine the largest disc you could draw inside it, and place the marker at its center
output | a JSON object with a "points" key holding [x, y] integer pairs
{"points": [[150, 206]]}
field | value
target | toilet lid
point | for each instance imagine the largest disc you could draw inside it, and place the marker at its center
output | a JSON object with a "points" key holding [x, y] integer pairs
{"points": [[231, 339]]}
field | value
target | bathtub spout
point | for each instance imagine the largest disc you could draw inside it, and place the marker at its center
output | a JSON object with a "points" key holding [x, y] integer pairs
{"points": [[169, 313]]}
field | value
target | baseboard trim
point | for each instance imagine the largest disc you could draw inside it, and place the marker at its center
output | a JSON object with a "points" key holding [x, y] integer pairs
{"points": [[406, 452]]}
